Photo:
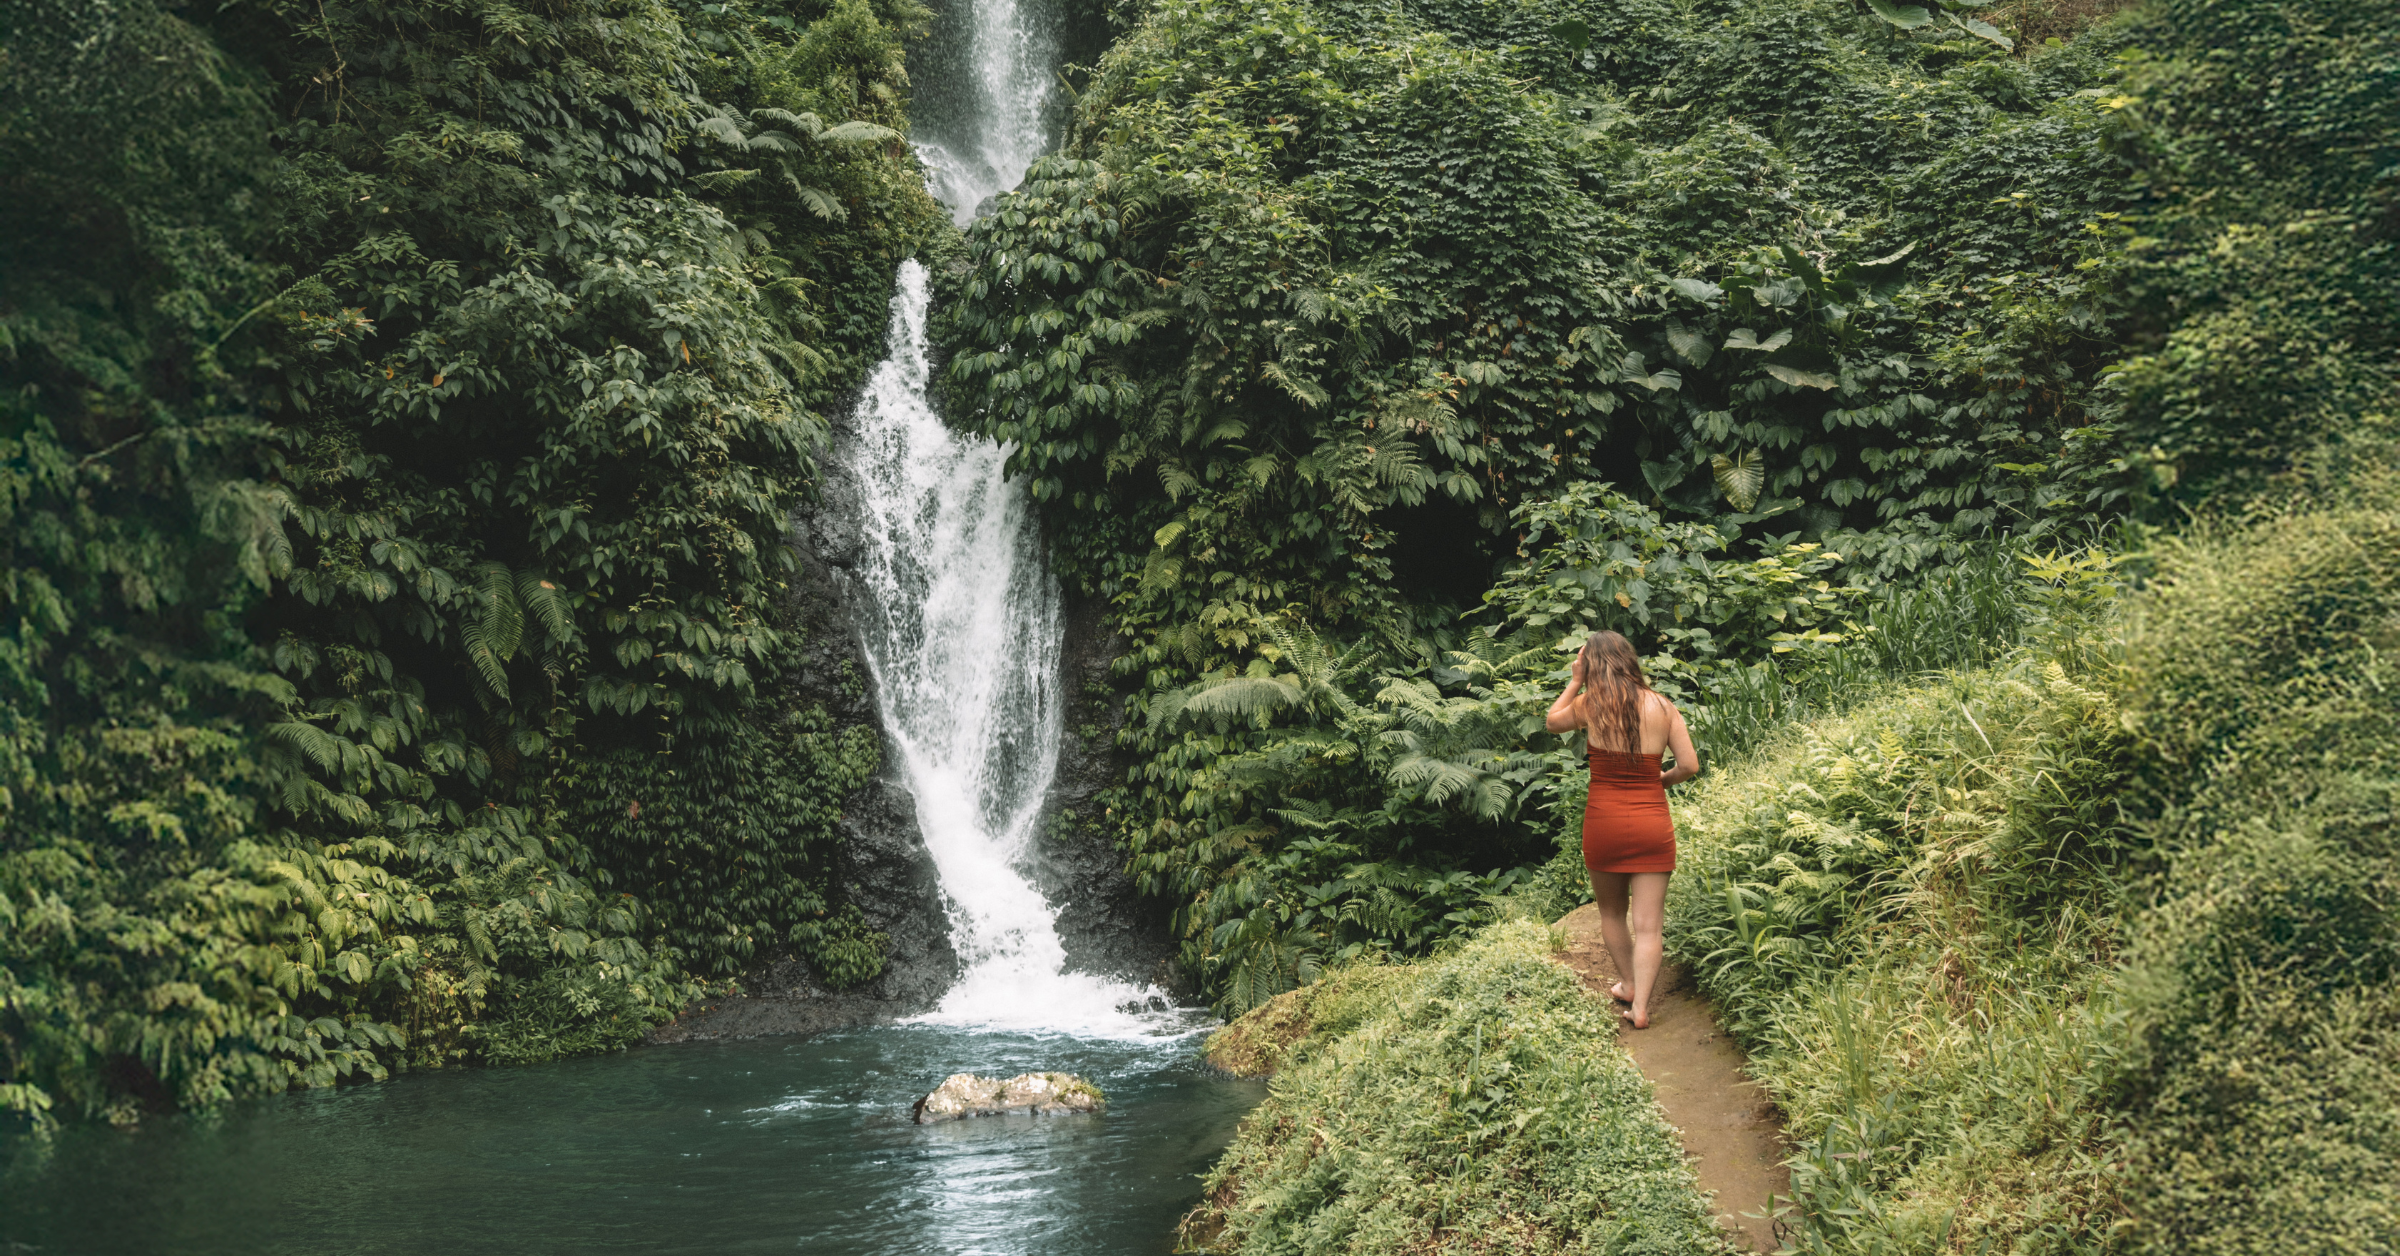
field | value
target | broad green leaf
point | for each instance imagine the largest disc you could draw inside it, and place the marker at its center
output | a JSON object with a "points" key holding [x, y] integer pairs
{"points": [[1739, 480], [1804, 379], [1904, 16], [1689, 345], [1984, 30], [1636, 372], [1662, 476], [1699, 290], [1744, 338], [1804, 266], [1573, 32]]}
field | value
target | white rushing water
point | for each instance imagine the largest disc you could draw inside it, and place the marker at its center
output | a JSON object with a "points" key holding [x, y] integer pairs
{"points": [[980, 131], [959, 615], [960, 624]]}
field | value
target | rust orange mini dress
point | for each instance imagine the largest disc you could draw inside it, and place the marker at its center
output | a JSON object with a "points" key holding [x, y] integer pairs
{"points": [[1625, 823]]}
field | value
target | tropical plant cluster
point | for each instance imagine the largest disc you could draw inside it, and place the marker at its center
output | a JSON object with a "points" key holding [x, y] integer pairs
{"points": [[403, 406], [1326, 308]]}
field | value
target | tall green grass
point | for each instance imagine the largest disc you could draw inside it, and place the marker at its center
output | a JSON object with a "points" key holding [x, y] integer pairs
{"points": [[2096, 949], [1909, 915], [2262, 1097], [1963, 616], [1475, 1101]]}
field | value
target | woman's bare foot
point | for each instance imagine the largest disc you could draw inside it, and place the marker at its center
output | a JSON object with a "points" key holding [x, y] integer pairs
{"points": [[1637, 1017], [1619, 993]]}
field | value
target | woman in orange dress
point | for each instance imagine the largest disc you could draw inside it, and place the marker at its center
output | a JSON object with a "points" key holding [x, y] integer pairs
{"points": [[1628, 838]]}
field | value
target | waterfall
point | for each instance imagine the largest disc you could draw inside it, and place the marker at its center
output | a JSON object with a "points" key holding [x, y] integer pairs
{"points": [[977, 116], [959, 616]]}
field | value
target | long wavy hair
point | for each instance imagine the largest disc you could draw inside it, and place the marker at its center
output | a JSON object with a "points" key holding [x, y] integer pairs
{"points": [[1613, 692]]}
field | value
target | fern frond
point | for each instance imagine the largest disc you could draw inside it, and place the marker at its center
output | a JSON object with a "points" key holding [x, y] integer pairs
{"points": [[724, 130], [1305, 391], [807, 124], [818, 201], [1241, 697], [857, 133], [548, 602], [503, 616]]}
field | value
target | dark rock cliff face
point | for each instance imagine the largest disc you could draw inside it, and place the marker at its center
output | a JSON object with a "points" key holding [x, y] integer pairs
{"points": [[889, 875], [1106, 924]]}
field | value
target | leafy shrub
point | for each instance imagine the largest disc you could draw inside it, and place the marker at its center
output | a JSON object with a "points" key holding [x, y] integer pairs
{"points": [[1476, 1098], [2266, 282]]}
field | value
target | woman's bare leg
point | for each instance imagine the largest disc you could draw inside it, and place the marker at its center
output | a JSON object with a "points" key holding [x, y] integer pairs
{"points": [[1646, 912], [1609, 892]]}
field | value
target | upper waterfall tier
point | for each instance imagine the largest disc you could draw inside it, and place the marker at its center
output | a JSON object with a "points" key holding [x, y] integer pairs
{"points": [[981, 100]]}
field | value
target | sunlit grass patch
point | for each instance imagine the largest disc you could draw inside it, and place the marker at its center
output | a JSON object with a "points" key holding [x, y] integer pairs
{"points": [[1476, 1101]]}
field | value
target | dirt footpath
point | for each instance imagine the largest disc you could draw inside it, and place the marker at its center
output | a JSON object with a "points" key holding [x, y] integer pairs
{"points": [[1733, 1134]]}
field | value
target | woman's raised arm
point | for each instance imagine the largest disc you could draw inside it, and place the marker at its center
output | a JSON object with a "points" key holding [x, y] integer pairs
{"points": [[1565, 716]]}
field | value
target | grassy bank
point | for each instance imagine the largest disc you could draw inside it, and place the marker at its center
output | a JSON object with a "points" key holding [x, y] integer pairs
{"points": [[2262, 1086], [1475, 1101], [2092, 952], [1912, 917]]}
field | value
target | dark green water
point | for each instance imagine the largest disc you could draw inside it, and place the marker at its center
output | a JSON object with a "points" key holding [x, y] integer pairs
{"points": [[763, 1146]]}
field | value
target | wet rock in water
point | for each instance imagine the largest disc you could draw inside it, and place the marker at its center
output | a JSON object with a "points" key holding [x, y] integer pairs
{"points": [[963, 1095]]}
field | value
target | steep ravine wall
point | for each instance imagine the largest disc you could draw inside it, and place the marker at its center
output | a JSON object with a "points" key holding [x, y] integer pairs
{"points": [[888, 873], [1107, 924]]}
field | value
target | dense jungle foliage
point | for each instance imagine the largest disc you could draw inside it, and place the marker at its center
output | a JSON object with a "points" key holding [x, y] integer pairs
{"points": [[402, 408], [1326, 322], [2088, 948], [1361, 352]]}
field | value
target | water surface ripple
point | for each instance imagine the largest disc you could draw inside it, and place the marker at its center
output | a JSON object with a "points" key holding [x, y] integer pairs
{"points": [[759, 1146]]}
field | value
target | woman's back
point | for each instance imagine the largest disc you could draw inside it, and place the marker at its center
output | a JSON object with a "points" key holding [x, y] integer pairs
{"points": [[1659, 722]]}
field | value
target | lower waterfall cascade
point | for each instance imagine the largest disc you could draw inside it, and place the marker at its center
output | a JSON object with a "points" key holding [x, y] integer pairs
{"points": [[960, 624]]}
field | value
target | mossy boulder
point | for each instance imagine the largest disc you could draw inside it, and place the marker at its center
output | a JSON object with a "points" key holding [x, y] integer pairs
{"points": [[962, 1095]]}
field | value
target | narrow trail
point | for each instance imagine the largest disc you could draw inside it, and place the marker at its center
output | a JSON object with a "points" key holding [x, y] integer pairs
{"points": [[1730, 1128]]}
